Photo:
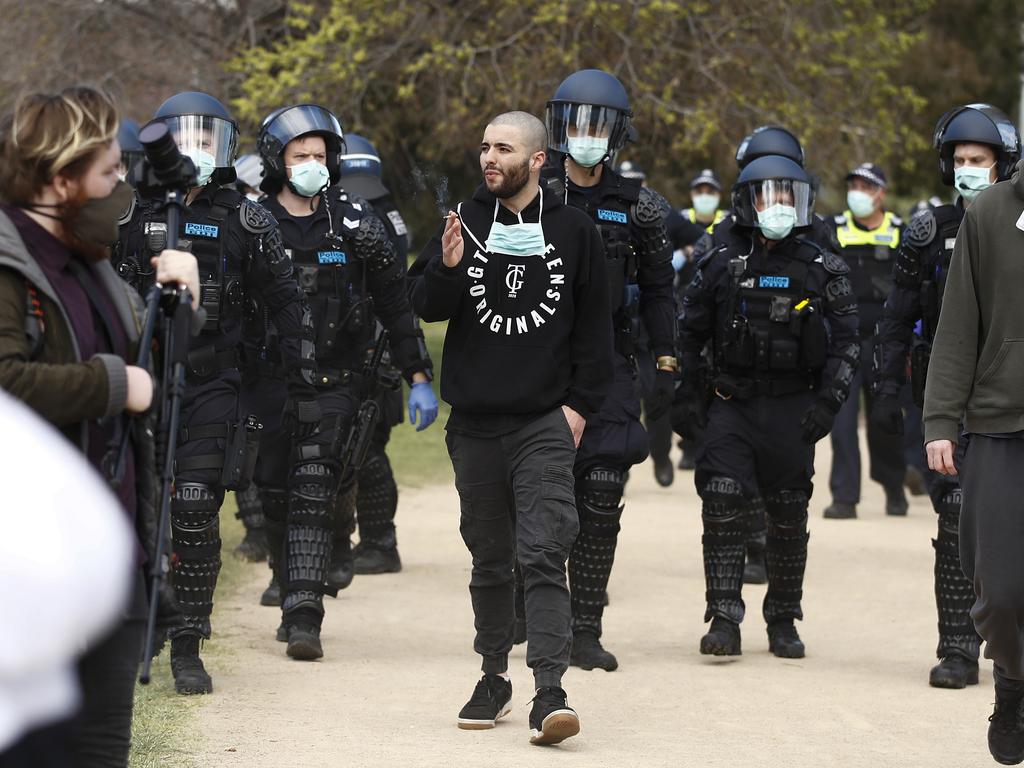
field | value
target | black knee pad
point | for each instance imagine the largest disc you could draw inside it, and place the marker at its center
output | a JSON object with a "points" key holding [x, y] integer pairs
{"points": [[194, 507], [724, 502], [598, 496], [275, 505], [787, 509]]}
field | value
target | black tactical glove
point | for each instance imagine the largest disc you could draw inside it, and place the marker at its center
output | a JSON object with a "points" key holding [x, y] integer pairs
{"points": [[689, 412], [301, 417], [887, 415], [660, 399], [817, 421]]}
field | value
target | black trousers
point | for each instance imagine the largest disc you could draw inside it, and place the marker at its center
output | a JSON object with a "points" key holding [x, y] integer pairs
{"points": [[517, 502], [48, 746], [991, 543], [885, 451], [101, 733]]}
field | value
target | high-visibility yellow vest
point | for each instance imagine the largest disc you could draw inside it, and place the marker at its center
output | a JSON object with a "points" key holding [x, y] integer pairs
{"points": [[691, 214], [887, 234]]}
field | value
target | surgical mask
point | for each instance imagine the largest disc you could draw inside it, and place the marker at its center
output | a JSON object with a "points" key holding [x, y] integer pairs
{"points": [[776, 221], [205, 164], [861, 204], [588, 151], [520, 239], [309, 178], [970, 180], [705, 205]]}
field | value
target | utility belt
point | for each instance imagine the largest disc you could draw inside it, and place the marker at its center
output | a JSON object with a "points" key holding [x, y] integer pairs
{"points": [[206, 362], [794, 337], [920, 355], [238, 461], [388, 377], [731, 385]]}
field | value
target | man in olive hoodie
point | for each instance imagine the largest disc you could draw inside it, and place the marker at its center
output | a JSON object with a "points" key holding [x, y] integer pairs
{"points": [[527, 362], [977, 373]]}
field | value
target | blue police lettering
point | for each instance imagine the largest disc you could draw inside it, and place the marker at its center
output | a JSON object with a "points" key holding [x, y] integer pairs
{"points": [[617, 216], [332, 257], [773, 281], [201, 230]]}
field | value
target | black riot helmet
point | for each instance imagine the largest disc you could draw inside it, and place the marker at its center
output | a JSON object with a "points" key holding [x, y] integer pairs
{"points": [[769, 140], [361, 168], [772, 180], [204, 130], [131, 147], [589, 108], [289, 123], [977, 124]]}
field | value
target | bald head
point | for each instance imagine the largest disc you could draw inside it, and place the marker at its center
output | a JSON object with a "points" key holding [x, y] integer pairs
{"points": [[531, 130]]}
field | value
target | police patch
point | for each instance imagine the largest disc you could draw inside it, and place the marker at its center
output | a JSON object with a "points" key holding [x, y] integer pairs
{"points": [[921, 229], [773, 281], [332, 257], [398, 223], [616, 216], [201, 230]]}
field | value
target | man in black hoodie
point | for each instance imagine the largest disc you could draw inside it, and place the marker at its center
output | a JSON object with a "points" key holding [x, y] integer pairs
{"points": [[519, 276]]}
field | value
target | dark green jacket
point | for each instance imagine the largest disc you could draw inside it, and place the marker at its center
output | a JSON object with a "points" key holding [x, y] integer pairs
{"points": [[976, 371], [62, 388]]}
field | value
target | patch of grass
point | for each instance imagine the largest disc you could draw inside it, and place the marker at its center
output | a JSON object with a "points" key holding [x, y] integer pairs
{"points": [[421, 458], [164, 723]]}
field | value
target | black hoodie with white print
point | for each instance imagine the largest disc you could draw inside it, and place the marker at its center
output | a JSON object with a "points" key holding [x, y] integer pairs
{"points": [[526, 334]]}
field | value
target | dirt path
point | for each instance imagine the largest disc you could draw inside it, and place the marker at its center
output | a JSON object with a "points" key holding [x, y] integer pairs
{"points": [[399, 661]]}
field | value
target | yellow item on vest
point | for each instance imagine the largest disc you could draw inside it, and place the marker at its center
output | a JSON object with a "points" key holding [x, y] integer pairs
{"points": [[691, 214], [886, 234]]}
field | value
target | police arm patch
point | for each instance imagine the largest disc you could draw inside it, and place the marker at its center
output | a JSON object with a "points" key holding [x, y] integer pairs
{"points": [[921, 229], [255, 218]]}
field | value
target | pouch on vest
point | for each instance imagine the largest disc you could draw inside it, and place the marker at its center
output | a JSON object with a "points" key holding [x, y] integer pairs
{"points": [[241, 452]]}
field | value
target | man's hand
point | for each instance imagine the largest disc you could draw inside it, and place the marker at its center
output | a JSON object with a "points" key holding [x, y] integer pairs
{"points": [[178, 267], [422, 403], [689, 412], [576, 424], [140, 389], [887, 415], [452, 246], [940, 456], [817, 421]]}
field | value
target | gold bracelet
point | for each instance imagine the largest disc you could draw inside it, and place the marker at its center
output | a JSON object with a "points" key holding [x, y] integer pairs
{"points": [[667, 363]]}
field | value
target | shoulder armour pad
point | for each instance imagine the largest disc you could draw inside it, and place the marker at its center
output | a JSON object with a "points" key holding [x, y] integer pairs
{"points": [[255, 218], [129, 211], [371, 237], [666, 209], [647, 210], [921, 229], [834, 263]]}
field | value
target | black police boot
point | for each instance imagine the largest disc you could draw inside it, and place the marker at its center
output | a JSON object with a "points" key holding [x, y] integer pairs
{"points": [[281, 635], [840, 510], [587, 653], [959, 643], [914, 482], [253, 546], [303, 633], [190, 676], [272, 594], [784, 641], [687, 462], [520, 603], [343, 568], [1006, 729], [552, 720], [489, 703], [896, 502], [664, 472], [954, 671], [722, 639], [372, 557]]}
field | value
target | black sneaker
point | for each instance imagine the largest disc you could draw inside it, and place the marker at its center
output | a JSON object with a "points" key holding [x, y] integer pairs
{"points": [[664, 472], [588, 653], [371, 559], [784, 641], [840, 510], [304, 641], [552, 720], [954, 671], [272, 594], [190, 676], [722, 639], [1006, 730], [489, 702]]}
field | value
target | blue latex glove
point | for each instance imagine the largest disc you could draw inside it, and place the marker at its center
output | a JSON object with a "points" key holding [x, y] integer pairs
{"points": [[422, 401]]}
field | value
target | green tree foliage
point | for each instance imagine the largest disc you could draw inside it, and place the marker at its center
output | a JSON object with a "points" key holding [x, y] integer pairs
{"points": [[421, 78]]}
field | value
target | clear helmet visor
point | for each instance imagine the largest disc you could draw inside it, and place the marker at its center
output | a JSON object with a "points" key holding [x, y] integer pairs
{"points": [[198, 134], [760, 196], [576, 121]]}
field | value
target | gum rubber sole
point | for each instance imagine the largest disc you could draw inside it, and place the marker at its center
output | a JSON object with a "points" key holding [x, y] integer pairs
{"points": [[466, 724], [557, 727]]}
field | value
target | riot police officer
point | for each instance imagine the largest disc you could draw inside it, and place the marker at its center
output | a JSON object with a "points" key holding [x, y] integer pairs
{"points": [[587, 121], [376, 490], [970, 140], [780, 316], [241, 257], [131, 147], [868, 236], [347, 266]]}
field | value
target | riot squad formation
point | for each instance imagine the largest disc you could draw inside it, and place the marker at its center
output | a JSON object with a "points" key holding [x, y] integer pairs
{"points": [[198, 322]]}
